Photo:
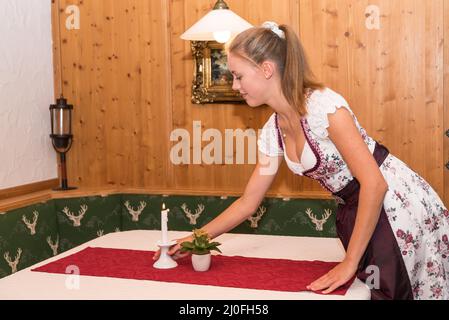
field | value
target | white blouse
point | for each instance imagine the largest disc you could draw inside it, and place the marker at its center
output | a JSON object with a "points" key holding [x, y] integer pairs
{"points": [[320, 159]]}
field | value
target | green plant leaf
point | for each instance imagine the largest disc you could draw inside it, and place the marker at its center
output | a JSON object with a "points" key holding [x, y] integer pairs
{"points": [[200, 244], [216, 249], [187, 246]]}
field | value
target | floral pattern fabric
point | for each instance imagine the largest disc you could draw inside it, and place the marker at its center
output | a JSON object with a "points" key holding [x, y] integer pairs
{"points": [[420, 223], [417, 216]]}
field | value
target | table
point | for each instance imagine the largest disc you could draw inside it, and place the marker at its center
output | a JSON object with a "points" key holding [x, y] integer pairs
{"points": [[27, 284]]}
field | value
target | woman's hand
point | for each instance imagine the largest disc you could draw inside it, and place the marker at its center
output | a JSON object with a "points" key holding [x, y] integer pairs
{"points": [[175, 250], [338, 276]]}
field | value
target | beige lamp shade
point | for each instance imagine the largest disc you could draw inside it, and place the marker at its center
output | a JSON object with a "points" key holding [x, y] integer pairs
{"points": [[218, 25]]}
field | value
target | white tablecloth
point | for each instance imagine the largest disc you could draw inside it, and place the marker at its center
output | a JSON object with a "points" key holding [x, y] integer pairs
{"points": [[27, 284]]}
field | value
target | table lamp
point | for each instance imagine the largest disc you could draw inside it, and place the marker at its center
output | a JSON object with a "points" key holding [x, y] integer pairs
{"points": [[219, 25]]}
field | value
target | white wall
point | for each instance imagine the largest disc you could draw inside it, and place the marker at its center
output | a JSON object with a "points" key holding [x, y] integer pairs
{"points": [[26, 91]]}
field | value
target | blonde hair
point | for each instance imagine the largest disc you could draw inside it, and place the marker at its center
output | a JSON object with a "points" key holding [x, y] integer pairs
{"points": [[260, 44]]}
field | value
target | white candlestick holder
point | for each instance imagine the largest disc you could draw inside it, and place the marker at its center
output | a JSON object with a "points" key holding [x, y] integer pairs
{"points": [[165, 261]]}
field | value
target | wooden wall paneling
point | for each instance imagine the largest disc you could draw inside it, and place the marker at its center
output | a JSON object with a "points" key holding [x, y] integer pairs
{"points": [[70, 51], [77, 86], [431, 103], [131, 104], [101, 97], [96, 67], [181, 67], [149, 77], [167, 176], [129, 76], [89, 69], [115, 74], [126, 15], [223, 116], [56, 50], [389, 75], [282, 12], [56, 36], [445, 158], [113, 104], [126, 102], [23, 190], [185, 13]]}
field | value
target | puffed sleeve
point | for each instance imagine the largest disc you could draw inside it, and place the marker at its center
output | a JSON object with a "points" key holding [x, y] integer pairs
{"points": [[320, 105], [269, 141]]}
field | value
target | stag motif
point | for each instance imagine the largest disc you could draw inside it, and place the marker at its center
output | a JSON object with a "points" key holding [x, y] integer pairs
{"points": [[193, 216], [319, 223], [13, 263], [254, 219], [53, 246], [31, 225], [135, 213], [76, 219]]}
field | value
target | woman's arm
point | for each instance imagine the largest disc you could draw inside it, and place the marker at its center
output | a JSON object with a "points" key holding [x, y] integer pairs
{"points": [[346, 137], [258, 184]]}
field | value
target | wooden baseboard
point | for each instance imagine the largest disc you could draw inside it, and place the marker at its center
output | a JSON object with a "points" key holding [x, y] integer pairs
{"points": [[22, 196], [27, 189], [84, 192]]}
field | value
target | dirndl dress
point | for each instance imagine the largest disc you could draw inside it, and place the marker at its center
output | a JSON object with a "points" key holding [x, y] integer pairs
{"points": [[410, 246]]}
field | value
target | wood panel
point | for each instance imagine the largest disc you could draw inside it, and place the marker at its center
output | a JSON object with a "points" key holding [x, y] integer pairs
{"points": [[30, 198], [230, 177], [129, 76], [115, 70], [390, 76], [446, 99], [27, 189]]}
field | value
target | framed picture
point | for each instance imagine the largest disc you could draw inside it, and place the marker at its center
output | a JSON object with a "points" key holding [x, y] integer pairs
{"points": [[212, 80]]}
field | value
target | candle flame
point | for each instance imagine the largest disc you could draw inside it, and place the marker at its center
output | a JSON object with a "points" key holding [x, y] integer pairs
{"points": [[163, 206]]}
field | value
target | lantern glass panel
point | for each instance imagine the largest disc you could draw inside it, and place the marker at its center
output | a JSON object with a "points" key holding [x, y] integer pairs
{"points": [[61, 121]]}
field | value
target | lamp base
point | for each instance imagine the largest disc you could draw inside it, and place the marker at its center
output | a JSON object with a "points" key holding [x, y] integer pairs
{"points": [[64, 188]]}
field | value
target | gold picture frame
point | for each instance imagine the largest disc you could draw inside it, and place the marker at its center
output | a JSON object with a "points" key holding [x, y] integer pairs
{"points": [[212, 81]]}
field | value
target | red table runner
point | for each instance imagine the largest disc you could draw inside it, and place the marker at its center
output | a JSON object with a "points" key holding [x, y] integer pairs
{"points": [[225, 271]]}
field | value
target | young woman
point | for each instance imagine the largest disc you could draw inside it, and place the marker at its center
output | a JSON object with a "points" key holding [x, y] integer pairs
{"points": [[387, 217]]}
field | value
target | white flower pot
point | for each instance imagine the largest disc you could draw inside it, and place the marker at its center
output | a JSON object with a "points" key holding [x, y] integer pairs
{"points": [[201, 262]]}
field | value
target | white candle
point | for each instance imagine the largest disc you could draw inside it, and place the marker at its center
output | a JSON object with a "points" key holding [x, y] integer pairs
{"points": [[164, 220]]}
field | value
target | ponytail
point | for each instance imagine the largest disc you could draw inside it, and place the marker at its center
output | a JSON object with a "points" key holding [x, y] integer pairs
{"points": [[297, 79]]}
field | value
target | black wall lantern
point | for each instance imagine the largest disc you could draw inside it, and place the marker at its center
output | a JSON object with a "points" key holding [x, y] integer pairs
{"points": [[61, 135], [61, 120]]}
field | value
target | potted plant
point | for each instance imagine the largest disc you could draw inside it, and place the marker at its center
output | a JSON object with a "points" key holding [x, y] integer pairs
{"points": [[200, 247]]}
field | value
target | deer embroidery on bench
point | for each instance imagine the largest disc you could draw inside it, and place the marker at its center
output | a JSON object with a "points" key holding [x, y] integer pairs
{"points": [[254, 219], [319, 222], [193, 216], [76, 219], [135, 213], [53, 246], [13, 263], [31, 225]]}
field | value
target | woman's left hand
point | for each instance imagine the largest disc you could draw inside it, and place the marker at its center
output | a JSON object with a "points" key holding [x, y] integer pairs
{"points": [[338, 276]]}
